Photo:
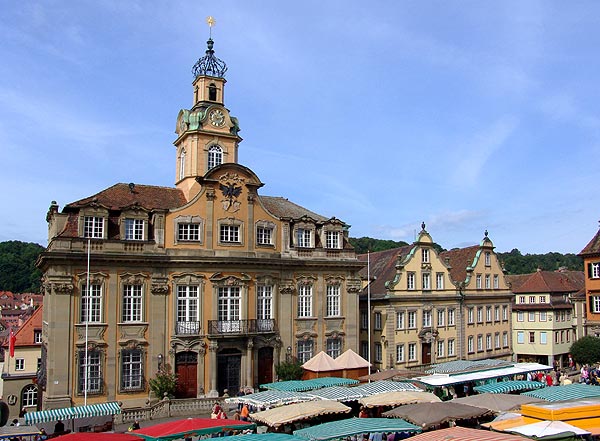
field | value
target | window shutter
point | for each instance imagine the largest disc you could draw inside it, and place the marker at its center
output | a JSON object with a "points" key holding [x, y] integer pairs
{"points": [[589, 265]]}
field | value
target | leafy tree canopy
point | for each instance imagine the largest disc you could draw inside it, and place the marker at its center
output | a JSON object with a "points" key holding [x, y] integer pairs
{"points": [[586, 350], [18, 272], [291, 370]]}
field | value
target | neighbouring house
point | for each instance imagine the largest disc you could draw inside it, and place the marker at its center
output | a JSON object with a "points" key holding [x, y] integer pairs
{"points": [[591, 265]]}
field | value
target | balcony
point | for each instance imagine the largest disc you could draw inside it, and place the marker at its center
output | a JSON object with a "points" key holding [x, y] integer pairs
{"points": [[187, 328], [241, 327]]}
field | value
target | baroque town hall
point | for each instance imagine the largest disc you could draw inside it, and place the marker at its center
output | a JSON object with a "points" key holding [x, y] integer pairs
{"points": [[210, 278]]}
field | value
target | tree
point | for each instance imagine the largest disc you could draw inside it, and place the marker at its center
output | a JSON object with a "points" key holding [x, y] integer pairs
{"points": [[586, 350], [18, 272], [164, 384], [291, 370]]}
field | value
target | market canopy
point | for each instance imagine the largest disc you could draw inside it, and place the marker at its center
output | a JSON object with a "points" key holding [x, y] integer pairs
{"points": [[398, 398], [544, 429], [496, 402], [434, 414], [464, 434], [566, 392], [379, 387], [354, 426], [190, 427], [264, 437], [322, 362], [338, 393], [98, 436], [505, 387], [306, 385], [300, 411], [67, 413], [351, 360], [270, 398], [389, 374]]}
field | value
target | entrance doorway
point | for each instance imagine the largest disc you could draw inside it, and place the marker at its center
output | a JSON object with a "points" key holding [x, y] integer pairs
{"points": [[265, 365], [229, 363], [186, 367], [426, 353]]}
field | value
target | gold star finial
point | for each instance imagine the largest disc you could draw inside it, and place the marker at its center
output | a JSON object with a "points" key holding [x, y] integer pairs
{"points": [[210, 21]]}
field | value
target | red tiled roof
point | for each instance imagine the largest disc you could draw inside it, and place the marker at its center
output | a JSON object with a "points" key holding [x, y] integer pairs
{"points": [[551, 281], [459, 259], [516, 280], [120, 196], [25, 334], [382, 267], [593, 247]]}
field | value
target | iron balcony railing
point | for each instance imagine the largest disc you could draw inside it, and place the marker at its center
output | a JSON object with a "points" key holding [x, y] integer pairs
{"points": [[236, 327]]}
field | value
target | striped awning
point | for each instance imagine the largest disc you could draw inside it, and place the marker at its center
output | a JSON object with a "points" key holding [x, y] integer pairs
{"points": [[379, 387], [464, 434], [338, 393], [505, 387], [564, 393], [270, 398], [354, 426], [66, 413], [304, 385]]}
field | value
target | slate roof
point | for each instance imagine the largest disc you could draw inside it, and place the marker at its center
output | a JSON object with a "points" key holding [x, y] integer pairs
{"points": [[593, 247], [551, 282], [459, 259], [382, 267], [119, 196], [283, 208]]}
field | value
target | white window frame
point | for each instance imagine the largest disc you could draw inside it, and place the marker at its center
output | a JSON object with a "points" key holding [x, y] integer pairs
{"points": [[543, 338], [214, 156], [412, 351], [37, 336], [531, 316], [520, 337], [93, 367], [595, 304], [488, 314], [480, 314], [333, 301], [488, 258], [488, 281], [497, 340], [479, 343], [29, 396], [188, 232], [133, 297], [19, 364], [505, 339], [332, 240], [441, 317], [426, 279], [400, 316], [377, 321], [426, 319], [488, 342], [470, 342], [412, 319], [400, 353], [451, 348], [543, 316], [470, 316], [496, 281], [93, 227], [188, 309], [264, 235], [520, 316], [305, 350], [304, 238], [496, 313], [595, 270], [410, 281], [451, 316], [132, 369], [91, 304], [425, 255], [439, 281], [440, 349], [305, 301], [230, 234], [333, 347], [504, 312], [134, 229], [478, 281], [264, 306]]}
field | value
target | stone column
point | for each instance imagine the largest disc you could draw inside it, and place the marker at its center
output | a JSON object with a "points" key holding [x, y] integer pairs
{"points": [[249, 379], [213, 346]]}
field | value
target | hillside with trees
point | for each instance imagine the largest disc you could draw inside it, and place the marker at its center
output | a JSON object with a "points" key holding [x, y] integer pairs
{"points": [[18, 273]]}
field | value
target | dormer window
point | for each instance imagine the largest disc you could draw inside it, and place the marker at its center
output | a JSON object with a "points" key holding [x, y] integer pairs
{"points": [[303, 238], [215, 156], [488, 258], [134, 229], [93, 227], [332, 239], [212, 92]]}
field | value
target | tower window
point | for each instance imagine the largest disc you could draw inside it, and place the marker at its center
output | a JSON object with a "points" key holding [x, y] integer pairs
{"points": [[212, 92], [215, 156]]}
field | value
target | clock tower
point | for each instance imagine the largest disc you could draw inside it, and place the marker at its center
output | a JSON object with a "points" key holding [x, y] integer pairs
{"points": [[207, 135]]}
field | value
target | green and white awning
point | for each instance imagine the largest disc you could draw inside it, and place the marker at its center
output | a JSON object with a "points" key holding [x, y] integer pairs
{"points": [[505, 387], [354, 426], [566, 392], [67, 413]]}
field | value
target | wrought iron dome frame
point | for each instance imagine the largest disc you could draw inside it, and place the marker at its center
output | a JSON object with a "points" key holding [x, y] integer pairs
{"points": [[209, 65]]}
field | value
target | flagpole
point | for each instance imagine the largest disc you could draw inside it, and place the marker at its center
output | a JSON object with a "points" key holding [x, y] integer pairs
{"points": [[87, 319], [369, 309]]}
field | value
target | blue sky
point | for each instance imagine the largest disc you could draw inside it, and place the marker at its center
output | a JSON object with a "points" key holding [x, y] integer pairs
{"points": [[466, 115]]}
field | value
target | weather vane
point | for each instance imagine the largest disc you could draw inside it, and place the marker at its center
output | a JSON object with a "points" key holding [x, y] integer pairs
{"points": [[210, 20]]}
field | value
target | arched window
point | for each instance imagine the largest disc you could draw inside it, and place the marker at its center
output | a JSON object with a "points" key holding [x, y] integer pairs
{"points": [[29, 395], [215, 156], [182, 164], [212, 92]]}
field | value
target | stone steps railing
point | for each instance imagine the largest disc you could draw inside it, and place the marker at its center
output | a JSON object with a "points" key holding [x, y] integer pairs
{"points": [[168, 408]]}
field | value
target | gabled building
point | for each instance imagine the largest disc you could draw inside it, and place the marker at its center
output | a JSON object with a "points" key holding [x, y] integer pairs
{"points": [[429, 307], [591, 265], [209, 278], [544, 315]]}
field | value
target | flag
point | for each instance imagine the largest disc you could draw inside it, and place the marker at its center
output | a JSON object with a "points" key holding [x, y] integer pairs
{"points": [[11, 343]]}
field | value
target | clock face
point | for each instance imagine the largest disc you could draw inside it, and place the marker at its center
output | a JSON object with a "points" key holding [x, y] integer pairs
{"points": [[216, 118]]}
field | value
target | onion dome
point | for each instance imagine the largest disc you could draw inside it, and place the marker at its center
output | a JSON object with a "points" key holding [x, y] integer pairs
{"points": [[209, 65]]}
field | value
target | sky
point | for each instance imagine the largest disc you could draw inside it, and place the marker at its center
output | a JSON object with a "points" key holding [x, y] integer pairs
{"points": [[466, 115]]}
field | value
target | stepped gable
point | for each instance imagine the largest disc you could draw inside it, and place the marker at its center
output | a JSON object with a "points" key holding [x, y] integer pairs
{"points": [[382, 268], [285, 209], [548, 282], [460, 259], [121, 196], [593, 247]]}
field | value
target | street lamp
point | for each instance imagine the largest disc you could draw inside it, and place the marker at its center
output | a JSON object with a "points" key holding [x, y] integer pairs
{"points": [[288, 354]]}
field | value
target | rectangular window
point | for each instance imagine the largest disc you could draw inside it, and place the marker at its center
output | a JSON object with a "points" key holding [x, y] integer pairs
{"points": [[568, 334], [556, 337], [496, 313], [488, 314], [188, 312], [364, 320], [399, 353], [531, 317], [93, 227], [543, 316], [90, 372], [440, 348], [504, 312], [410, 281], [426, 281], [303, 238], [19, 364], [488, 258], [496, 281], [543, 338], [188, 232], [364, 350], [264, 307], [334, 347], [229, 234], [480, 343], [441, 316], [451, 316], [305, 301], [520, 316], [451, 348], [497, 340], [132, 303], [332, 239], [522, 300], [488, 342], [478, 281], [305, 350], [412, 319], [425, 254], [333, 301], [480, 314], [488, 282], [400, 320], [412, 351], [131, 370], [264, 236], [91, 304], [542, 299], [531, 299], [520, 337], [134, 229], [505, 339], [378, 353], [532, 337], [228, 308], [427, 319], [595, 270], [470, 344], [470, 319], [378, 324], [439, 281], [37, 336]]}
